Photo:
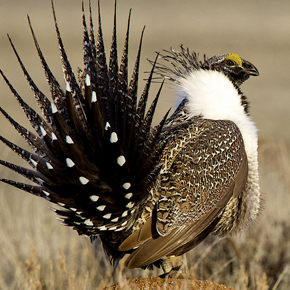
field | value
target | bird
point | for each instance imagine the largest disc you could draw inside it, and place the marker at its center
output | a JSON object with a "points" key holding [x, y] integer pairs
{"points": [[149, 192]]}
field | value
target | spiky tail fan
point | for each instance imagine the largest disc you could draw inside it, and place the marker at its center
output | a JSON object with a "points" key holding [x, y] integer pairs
{"points": [[95, 154]]}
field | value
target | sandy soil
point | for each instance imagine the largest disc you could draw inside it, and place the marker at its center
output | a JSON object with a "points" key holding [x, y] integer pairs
{"points": [[168, 284]]}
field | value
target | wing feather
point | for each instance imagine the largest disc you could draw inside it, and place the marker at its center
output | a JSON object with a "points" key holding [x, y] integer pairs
{"points": [[187, 214]]}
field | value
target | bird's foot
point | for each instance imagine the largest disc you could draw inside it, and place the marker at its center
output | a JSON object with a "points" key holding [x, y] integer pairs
{"points": [[175, 273], [172, 268]]}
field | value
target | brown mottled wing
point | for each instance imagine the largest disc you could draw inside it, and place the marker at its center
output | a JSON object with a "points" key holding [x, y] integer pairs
{"points": [[205, 165]]}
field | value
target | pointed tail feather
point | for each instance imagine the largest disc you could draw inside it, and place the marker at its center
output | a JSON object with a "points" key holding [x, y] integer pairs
{"points": [[95, 152]]}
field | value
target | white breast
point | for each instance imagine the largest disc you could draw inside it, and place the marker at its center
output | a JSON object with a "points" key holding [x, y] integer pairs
{"points": [[212, 95]]}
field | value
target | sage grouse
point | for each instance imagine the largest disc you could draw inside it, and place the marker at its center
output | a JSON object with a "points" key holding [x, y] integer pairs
{"points": [[150, 192]]}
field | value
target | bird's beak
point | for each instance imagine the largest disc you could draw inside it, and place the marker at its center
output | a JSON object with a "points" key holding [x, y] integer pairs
{"points": [[254, 71], [250, 68]]}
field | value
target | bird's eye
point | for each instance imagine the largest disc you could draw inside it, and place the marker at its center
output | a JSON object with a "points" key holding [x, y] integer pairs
{"points": [[230, 62]]}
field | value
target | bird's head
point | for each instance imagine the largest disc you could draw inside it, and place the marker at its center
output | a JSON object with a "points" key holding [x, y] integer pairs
{"points": [[231, 64]]}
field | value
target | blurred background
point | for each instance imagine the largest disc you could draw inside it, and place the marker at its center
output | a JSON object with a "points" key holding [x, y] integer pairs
{"points": [[259, 31]]}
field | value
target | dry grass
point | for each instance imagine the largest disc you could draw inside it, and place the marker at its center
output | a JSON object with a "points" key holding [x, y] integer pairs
{"points": [[37, 253]]}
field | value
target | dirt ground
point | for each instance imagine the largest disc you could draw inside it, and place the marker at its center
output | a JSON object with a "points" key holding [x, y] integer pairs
{"points": [[169, 284]]}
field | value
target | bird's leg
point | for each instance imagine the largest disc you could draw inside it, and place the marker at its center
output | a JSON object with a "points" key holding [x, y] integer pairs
{"points": [[171, 267]]}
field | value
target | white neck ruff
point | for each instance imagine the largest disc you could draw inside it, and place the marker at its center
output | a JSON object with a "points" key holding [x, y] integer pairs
{"points": [[212, 95]]}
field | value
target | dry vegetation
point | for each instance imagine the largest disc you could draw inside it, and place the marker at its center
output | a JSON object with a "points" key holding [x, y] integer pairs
{"points": [[37, 253]]}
